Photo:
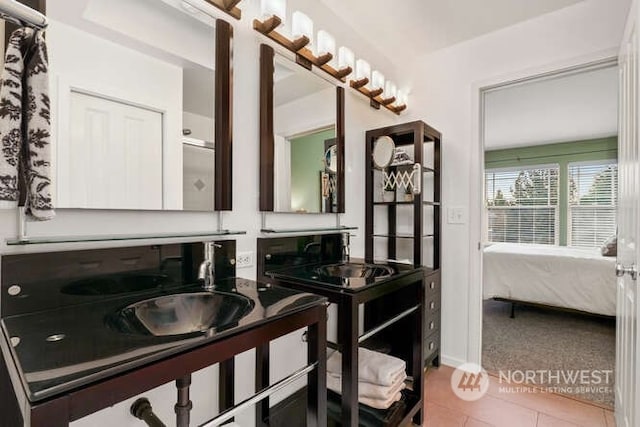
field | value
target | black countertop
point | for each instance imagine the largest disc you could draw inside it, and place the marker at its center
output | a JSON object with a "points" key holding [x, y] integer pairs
{"points": [[311, 274], [92, 349]]}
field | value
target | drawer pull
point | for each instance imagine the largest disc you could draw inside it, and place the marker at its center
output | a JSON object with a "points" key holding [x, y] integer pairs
{"points": [[432, 305], [14, 290], [431, 325], [432, 285], [431, 345]]}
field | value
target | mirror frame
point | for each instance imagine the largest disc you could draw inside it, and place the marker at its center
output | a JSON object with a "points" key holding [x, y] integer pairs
{"points": [[223, 113], [223, 117], [267, 140]]}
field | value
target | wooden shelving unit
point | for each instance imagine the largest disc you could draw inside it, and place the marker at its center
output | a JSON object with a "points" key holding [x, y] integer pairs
{"points": [[412, 226]]}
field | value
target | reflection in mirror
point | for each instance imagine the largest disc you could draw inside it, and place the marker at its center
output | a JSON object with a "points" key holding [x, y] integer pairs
{"points": [[133, 100], [304, 123]]}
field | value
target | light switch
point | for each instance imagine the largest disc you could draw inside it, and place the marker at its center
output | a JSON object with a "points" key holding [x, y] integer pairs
{"points": [[456, 215]]}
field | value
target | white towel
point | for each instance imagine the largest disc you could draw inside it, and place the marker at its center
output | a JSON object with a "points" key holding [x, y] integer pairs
{"points": [[373, 367], [25, 124], [368, 390]]}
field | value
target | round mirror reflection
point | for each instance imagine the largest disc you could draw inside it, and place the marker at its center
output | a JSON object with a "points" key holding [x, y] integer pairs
{"points": [[331, 159], [383, 150]]}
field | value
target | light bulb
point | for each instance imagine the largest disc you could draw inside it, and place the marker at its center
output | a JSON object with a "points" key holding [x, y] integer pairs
{"points": [[326, 44], [390, 90], [269, 8], [377, 80], [401, 98], [346, 58], [301, 25], [363, 70]]}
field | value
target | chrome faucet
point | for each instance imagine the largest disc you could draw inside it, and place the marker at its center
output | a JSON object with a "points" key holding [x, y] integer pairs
{"points": [[346, 242], [206, 271]]}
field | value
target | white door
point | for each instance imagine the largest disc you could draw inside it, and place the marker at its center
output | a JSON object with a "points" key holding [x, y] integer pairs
{"points": [[628, 335], [113, 159]]}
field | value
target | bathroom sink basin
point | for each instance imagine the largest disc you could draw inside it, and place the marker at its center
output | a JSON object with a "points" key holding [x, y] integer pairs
{"points": [[117, 284], [355, 270], [183, 313]]}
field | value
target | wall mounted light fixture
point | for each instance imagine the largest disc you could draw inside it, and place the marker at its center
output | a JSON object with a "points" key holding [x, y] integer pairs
{"points": [[302, 27], [374, 86]]}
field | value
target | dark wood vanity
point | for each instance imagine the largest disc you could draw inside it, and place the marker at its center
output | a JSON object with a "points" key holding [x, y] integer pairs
{"points": [[65, 356], [294, 261]]}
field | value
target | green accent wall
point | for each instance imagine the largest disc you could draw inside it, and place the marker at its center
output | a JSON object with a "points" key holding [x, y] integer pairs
{"points": [[561, 154], [307, 156]]}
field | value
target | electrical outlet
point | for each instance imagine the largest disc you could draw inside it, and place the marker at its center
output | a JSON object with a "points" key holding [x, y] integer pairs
{"points": [[244, 259]]}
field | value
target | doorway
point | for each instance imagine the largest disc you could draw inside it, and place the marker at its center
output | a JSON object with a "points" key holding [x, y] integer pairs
{"points": [[549, 168]]}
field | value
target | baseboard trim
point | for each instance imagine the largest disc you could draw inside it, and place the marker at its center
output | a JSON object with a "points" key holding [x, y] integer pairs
{"points": [[451, 361]]}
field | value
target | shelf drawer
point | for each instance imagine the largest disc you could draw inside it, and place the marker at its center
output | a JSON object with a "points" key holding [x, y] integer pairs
{"points": [[432, 324], [431, 346], [432, 304]]}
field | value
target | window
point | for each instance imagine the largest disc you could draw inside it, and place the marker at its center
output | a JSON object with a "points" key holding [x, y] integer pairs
{"points": [[522, 204], [593, 191]]}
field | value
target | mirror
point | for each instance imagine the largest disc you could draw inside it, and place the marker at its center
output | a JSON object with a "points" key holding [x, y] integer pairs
{"points": [[302, 138], [141, 96], [383, 150], [331, 159]]}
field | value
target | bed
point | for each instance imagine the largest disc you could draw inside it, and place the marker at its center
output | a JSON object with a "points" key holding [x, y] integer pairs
{"points": [[574, 278]]}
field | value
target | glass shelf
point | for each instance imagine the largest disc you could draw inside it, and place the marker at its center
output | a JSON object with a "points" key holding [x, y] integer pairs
{"points": [[400, 235], [402, 202], [36, 240], [306, 230]]}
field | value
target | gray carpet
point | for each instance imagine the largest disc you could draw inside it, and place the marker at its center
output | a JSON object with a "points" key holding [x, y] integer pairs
{"points": [[543, 339]]}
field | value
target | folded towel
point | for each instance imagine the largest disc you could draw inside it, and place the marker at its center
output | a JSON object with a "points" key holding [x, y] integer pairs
{"points": [[380, 404], [368, 390], [373, 367], [25, 124]]}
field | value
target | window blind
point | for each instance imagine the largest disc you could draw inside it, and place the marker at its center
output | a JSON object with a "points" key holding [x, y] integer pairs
{"points": [[522, 204], [593, 189]]}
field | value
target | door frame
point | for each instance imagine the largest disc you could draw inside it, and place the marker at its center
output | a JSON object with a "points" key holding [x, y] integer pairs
{"points": [[476, 200]]}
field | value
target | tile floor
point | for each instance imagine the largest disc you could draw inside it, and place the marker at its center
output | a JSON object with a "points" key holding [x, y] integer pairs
{"points": [[499, 409]]}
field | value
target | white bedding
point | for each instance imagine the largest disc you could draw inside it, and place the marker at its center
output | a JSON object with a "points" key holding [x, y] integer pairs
{"points": [[560, 276]]}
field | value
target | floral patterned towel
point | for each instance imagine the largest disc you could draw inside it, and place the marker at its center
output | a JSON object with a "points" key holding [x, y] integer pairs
{"points": [[25, 124]]}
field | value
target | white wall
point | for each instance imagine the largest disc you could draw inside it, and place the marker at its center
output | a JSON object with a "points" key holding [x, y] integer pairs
{"points": [[445, 94], [442, 95]]}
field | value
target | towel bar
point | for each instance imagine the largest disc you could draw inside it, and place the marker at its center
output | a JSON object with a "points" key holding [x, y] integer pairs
{"points": [[266, 392], [372, 332]]}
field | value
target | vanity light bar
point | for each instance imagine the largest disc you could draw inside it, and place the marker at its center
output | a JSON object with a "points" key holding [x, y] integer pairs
{"points": [[374, 86], [304, 55]]}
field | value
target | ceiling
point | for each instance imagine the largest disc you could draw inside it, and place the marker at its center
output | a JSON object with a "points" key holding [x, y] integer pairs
{"points": [[398, 26], [567, 108]]}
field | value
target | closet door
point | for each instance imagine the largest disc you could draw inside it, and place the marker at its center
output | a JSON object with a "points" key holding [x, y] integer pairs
{"points": [[104, 136], [627, 392]]}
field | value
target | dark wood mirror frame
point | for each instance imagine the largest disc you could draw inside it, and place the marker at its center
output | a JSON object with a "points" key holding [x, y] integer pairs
{"points": [[267, 142], [223, 117], [223, 196]]}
